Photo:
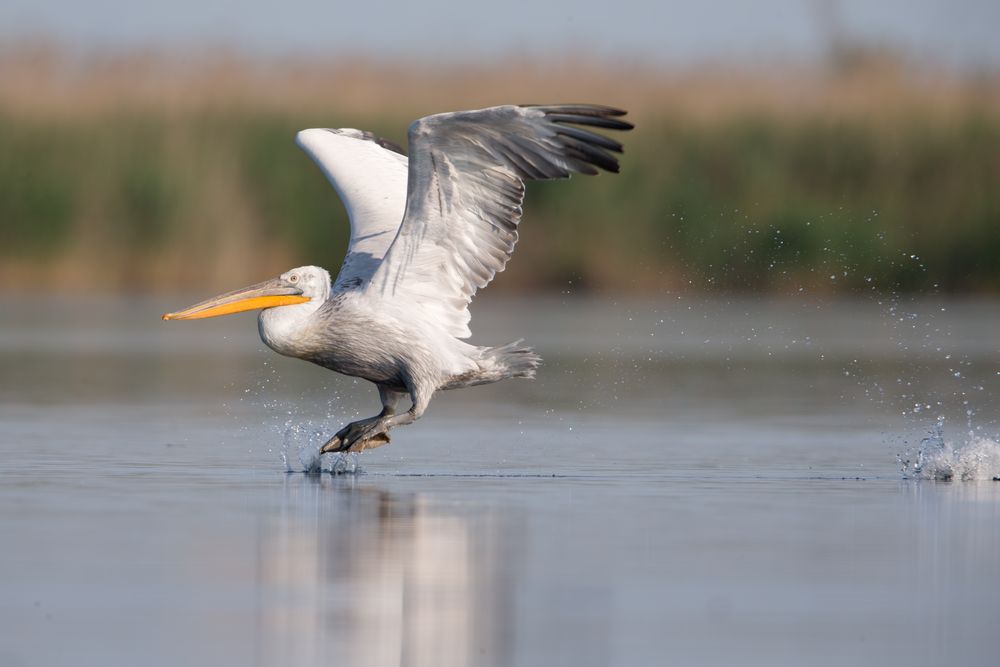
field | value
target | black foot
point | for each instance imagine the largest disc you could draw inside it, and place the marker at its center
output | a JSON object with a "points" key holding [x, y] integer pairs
{"points": [[343, 442]]}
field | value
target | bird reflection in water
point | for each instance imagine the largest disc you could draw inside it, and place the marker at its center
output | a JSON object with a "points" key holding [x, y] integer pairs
{"points": [[352, 574]]}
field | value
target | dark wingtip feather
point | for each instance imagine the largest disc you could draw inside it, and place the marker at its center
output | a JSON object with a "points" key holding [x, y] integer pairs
{"points": [[591, 153], [585, 114], [581, 109], [590, 137], [596, 121], [585, 146]]}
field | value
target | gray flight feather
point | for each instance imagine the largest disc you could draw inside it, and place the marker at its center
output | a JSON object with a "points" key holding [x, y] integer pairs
{"points": [[464, 193]]}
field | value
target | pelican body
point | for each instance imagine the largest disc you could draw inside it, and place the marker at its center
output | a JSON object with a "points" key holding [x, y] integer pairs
{"points": [[427, 232]]}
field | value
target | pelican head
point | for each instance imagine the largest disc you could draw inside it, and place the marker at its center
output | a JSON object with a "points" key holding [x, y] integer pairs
{"points": [[305, 284]]}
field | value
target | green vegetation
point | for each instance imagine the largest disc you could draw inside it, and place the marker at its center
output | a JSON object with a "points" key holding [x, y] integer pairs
{"points": [[748, 201], [755, 203], [38, 189]]}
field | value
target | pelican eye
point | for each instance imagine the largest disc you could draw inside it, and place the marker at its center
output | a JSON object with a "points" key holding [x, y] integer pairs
{"points": [[294, 278]]}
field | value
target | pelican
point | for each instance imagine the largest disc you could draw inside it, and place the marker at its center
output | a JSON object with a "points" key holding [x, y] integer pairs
{"points": [[426, 233]]}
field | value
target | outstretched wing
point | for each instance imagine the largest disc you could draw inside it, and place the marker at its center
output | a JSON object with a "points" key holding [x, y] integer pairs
{"points": [[464, 197], [370, 175]]}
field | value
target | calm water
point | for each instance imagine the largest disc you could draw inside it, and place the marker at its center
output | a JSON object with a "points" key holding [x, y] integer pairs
{"points": [[687, 482]]}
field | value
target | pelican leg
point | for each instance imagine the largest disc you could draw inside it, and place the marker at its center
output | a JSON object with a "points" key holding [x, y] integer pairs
{"points": [[362, 434], [372, 432], [420, 401]]}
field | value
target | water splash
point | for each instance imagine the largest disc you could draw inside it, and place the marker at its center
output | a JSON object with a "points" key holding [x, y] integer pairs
{"points": [[935, 458], [305, 438], [300, 443], [342, 464], [298, 422]]}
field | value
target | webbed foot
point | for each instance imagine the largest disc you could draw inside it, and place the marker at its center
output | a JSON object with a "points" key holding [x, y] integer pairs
{"points": [[356, 437]]}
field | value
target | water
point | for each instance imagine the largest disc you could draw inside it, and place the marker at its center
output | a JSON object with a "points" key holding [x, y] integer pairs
{"points": [[686, 482]]}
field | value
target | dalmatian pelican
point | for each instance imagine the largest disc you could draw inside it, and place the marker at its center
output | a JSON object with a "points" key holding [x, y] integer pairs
{"points": [[427, 232]]}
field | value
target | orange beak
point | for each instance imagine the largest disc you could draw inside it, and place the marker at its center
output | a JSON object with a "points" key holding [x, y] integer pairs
{"points": [[268, 294]]}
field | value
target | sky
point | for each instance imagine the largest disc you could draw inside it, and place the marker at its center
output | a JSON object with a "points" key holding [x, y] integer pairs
{"points": [[956, 32]]}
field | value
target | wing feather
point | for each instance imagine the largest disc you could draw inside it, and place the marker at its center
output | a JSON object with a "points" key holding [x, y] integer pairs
{"points": [[464, 193], [370, 176]]}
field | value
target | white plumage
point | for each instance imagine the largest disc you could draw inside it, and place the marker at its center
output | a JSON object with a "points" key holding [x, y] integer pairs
{"points": [[426, 234], [371, 181]]}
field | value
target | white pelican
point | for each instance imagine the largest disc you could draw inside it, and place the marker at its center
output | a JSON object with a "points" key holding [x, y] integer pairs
{"points": [[426, 234]]}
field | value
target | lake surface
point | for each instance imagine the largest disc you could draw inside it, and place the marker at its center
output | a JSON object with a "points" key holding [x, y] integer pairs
{"points": [[687, 482]]}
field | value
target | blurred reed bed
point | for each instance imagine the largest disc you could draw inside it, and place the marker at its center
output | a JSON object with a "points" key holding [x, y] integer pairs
{"points": [[149, 173]]}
